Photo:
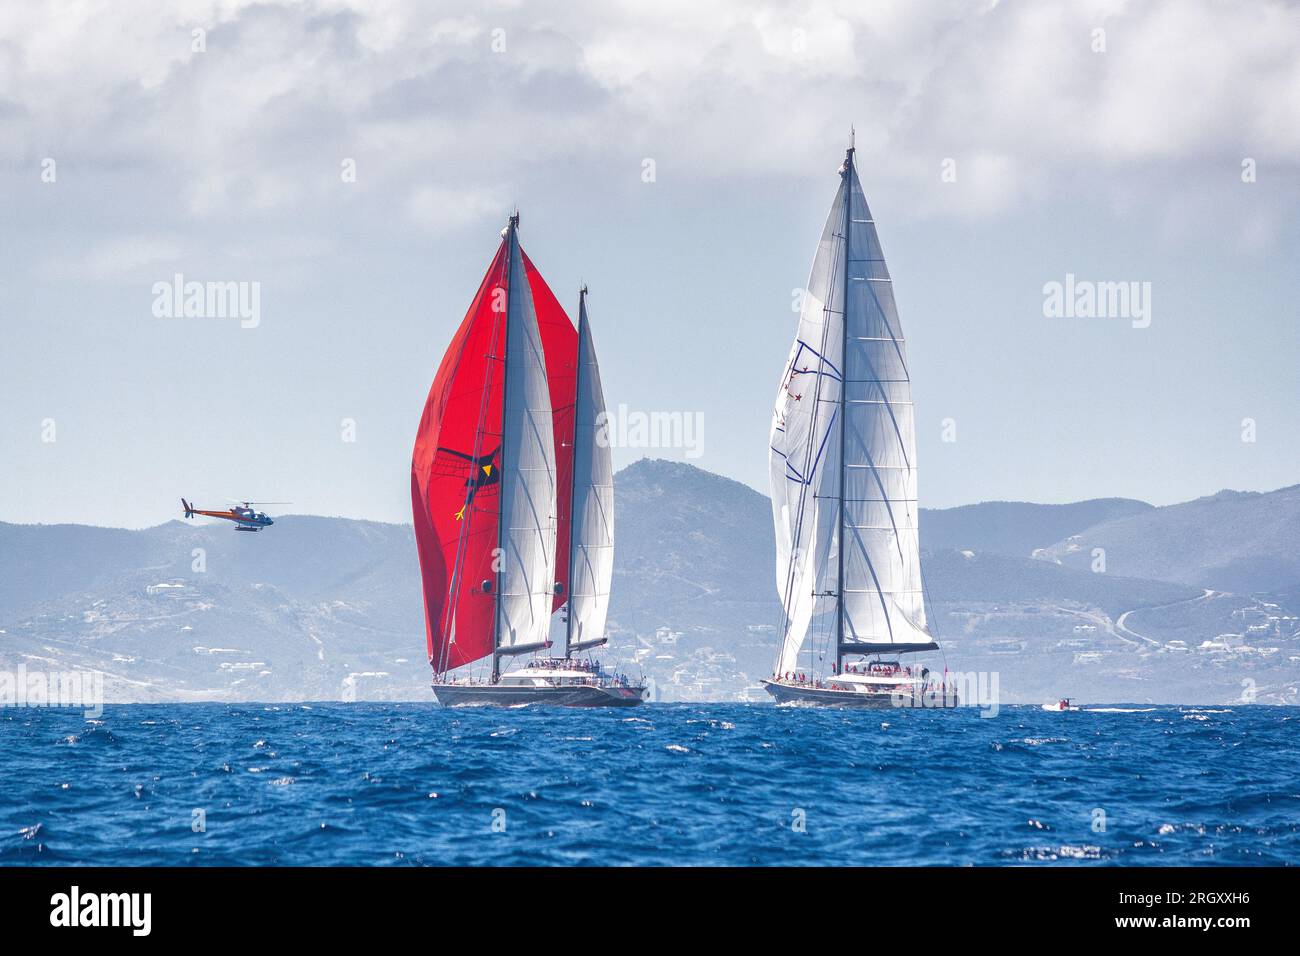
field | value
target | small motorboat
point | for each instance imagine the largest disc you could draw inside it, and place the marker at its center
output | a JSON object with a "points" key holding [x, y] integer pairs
{"points": [[1065, 703]]}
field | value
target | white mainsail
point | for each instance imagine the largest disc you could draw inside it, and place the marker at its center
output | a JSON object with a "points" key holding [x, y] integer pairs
{"points": [[843, 452], [527, 520], [592, 545], [804, 457]]}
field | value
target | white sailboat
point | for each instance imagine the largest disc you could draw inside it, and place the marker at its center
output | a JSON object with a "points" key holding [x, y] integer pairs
{"points": [[843, 480]]}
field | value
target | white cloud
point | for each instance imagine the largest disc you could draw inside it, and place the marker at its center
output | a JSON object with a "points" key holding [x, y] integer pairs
{"points": [[1013, 91]]}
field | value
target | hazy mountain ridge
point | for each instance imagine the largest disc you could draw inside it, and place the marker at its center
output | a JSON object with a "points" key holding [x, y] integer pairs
{"points": [[327, 608], [1234, 541], [956, 578], [686, 536], [1018, 528], [291, 613]]}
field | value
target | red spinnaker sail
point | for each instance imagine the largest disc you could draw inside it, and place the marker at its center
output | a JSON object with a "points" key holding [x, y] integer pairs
{"points": [[455, 482], [455, 477], [560, 345]]}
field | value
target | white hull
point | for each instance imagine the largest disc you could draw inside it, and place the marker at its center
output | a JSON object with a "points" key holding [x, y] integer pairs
{"points": [[556, 682], [789, 692]]}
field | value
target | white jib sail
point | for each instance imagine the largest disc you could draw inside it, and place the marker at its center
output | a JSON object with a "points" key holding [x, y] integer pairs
{"points": [[881, 582], [527, 474], [593, 498]]}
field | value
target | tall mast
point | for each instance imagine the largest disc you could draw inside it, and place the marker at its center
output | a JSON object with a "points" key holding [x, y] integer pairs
{"points": [[573, 475], [844, 391], [513, 241]]}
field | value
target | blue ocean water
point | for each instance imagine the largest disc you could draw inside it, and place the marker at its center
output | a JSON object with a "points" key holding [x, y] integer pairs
{"points": [[412, 784]]}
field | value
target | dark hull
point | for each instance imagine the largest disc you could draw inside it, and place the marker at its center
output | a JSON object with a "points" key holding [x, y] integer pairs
{"points": [[498, 695], [826, 697]]}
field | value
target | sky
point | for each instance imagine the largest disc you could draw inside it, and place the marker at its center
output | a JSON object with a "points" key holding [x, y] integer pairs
{"points": [[354, 163]]}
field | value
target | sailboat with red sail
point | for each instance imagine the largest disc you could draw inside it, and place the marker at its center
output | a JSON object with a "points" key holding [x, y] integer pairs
{"points": [[512, 500]]}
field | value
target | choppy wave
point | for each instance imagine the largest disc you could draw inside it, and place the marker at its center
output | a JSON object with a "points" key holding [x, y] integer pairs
{"points": [[412, 784]]}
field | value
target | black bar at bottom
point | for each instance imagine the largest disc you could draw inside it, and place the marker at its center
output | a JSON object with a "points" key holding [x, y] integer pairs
{"points": [[954, 908]]}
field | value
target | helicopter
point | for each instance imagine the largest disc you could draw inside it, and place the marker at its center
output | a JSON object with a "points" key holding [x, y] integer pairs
{"points": [[244, 514]]}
